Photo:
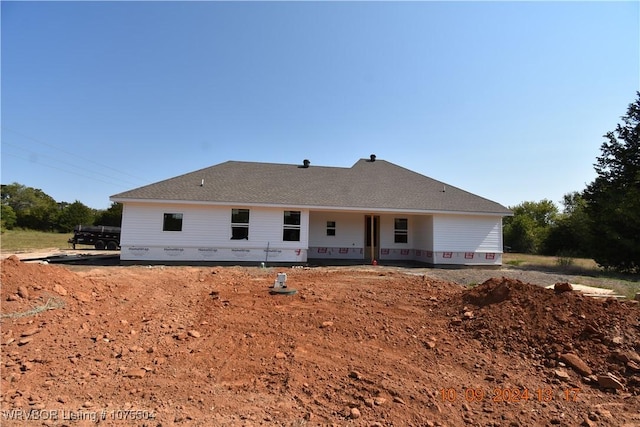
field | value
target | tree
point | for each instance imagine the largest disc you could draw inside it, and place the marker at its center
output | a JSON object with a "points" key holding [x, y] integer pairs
{"points": [[570, 233], [7, 217], [74, 214], [527, 230], [519, 235], [613, 198], [33, 207], [111, 216]]}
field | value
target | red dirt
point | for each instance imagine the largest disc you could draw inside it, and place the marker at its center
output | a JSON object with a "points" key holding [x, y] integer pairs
{"points": [[355, 346]]}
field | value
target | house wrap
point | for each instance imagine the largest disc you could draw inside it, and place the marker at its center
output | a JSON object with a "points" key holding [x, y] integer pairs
{"points": [[283, 213]]}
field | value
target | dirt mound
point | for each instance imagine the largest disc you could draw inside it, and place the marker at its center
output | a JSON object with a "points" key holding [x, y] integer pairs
{"points": [[355, 346], [525, 320], [33, 286]]}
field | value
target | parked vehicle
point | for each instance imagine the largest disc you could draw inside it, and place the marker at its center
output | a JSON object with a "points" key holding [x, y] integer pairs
{"points": [[99, 236]]}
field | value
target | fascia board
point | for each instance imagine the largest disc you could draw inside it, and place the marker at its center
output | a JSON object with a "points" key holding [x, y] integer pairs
{"points": [[310, 207]]}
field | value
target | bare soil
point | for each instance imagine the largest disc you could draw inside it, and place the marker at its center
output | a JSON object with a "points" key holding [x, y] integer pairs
{"points": [[362, 346]]}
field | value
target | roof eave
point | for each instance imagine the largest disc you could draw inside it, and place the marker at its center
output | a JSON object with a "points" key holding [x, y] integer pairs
{"points": [[360, 209]]}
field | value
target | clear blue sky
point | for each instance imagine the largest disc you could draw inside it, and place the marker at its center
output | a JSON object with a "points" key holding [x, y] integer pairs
{"points": [[508, 100]]}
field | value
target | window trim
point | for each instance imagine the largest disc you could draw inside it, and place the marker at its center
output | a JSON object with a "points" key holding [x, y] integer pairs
{"points": [[331, 228], [401, 234], [172, 216], [240, 225], [291, 227]]}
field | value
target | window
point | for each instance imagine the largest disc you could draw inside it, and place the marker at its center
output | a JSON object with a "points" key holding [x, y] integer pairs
{"points": [[291, 229], [331, 228], [400, 230], [172, 222], [239, 224]]}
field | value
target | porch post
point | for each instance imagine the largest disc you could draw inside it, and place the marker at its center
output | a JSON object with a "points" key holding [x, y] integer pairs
{"points": [[373, 242]]}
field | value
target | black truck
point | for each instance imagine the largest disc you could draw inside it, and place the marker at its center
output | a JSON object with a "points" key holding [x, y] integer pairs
{"points": [[99, 236]]}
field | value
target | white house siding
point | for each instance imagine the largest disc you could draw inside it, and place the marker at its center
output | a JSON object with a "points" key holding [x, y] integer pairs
{"points": [[348, 243], [422, 232], [206, 235], [467, 239], [423, 237], [445, 239], [389, 250], [419, 246]]}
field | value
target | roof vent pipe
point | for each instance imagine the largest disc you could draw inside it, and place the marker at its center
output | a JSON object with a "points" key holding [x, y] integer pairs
{"points": [[202, 183], [305, 163], [372, 157]]}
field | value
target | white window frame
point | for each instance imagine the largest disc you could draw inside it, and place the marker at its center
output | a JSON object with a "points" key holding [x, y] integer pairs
{"points": [[331, 228], [399, 232], [291, 227], [240, 225]]}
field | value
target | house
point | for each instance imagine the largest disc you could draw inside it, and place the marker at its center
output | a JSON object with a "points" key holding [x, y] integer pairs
{"points": [[282, 213]]}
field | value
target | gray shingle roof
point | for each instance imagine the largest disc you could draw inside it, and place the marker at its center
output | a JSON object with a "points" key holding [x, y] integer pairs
{"points": [[367, 185]]}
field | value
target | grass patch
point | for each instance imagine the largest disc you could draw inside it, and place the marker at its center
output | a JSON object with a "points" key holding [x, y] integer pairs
{"points": [[564, 261], [551, 262], [26, 240]]}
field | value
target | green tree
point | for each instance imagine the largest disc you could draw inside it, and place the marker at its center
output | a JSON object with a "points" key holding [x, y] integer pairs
{"points": [[33, 207], [518, 234], [528, 228], [74, 214], [613, 198], [7, 217], [570, 233], [111, 216]]}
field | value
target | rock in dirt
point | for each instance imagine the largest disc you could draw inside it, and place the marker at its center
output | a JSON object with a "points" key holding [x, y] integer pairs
{"points": [[29, 332], [626, 356], [59, 290], [561, 374], [379, 401], [633, 366], [25, 341], [399, 400], [135, 373], [194, 334], [355, 374], [82, 296], [609, 381], [492, 291], [561, 287], [355, 413], [576, 363], [23, 292]]}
